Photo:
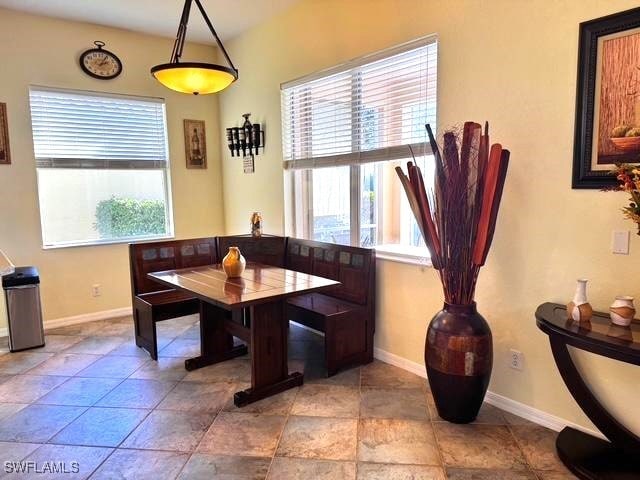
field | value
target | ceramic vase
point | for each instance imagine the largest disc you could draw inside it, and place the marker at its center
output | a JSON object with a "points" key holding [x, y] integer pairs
{"points": [[622, 311], [579, 310], [256, 224], [233, 263], [459, 357]]}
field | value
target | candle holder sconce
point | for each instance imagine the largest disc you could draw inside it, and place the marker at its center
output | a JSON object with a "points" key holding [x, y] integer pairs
{"points": [[245, 140]]}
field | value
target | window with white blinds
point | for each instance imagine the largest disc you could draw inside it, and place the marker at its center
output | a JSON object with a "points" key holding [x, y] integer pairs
{"points": [[102, 167], [86, 130], [368, 110]]}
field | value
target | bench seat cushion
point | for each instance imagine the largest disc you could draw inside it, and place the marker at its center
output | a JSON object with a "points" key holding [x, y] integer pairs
{"points": [[165, 297], [323, 304]]}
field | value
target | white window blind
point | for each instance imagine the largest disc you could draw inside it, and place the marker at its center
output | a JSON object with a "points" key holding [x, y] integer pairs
{"points": [[82, 130], [367, 110]]}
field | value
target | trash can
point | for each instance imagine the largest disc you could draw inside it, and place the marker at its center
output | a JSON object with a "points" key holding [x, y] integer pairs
{"points": [[22, 293]]}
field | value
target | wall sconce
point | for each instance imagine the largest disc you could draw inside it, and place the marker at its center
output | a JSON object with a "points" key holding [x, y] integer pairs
{"points": [[246, 139]]}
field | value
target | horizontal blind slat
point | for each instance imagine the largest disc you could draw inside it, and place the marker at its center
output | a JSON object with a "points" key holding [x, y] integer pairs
{"points": [[78, 130], [370, 112]]}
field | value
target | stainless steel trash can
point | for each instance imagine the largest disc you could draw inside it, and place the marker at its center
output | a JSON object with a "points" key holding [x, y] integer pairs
{"points": [[22, 293]]}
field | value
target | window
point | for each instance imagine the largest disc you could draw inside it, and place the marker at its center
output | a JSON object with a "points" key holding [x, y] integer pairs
{"points": [[102, 167], [344, 132]]}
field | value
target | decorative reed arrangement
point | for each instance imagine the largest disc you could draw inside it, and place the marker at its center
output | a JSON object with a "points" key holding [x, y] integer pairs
{"points": [[457, 216]]}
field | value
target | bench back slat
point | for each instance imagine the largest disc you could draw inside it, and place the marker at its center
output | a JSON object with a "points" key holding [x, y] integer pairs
{"points": [[150, 257], [351, 266], [266, 249]]}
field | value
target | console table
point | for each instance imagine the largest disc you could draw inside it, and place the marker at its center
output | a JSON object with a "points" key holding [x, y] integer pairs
{"points": [[586, 456]]}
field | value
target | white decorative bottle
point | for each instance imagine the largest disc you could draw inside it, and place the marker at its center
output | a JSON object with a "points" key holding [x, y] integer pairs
{"points": [[579, 309], [622, 311]]}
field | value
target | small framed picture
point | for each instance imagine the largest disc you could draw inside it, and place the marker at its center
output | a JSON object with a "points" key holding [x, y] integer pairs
{"points": [[195, 144], [607, 128], [5, 154]]}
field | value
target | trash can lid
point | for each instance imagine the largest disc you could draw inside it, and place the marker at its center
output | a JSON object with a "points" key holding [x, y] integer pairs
{"points": [[22, 276]]}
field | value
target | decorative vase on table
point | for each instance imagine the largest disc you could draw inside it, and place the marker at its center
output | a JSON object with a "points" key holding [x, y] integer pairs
{"points": [[233, 263], [256, 224], [622, 311], [457, 219], [579, 310]]}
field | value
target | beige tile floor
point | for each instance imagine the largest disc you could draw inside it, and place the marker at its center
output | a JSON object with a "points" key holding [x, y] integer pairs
{"points": [[91, 396]]}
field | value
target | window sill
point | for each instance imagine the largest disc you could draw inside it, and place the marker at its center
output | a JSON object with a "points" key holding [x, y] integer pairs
{"points": [[109, 242], [403, 254]]}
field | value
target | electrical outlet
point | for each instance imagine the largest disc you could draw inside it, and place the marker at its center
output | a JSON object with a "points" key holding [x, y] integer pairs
{"points": [[95, 290], [516, 359]]}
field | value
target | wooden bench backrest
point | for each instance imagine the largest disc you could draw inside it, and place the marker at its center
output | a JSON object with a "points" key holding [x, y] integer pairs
{"points": [[266, 249], [150, 257], [351, 266]]}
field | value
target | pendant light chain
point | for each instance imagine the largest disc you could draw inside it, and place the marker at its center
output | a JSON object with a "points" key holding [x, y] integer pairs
{"points": [[215, 35], [178, 46]]}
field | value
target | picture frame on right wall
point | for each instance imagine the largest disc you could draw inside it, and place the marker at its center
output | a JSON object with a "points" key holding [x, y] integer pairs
{"points": [[607, 128]]}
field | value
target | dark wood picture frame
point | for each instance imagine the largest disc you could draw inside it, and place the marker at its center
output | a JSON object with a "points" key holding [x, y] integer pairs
{"points": [[195, 144], [5, 151], [584, 175]]}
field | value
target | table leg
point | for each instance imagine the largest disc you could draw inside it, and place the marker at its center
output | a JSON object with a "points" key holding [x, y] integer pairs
{"points": [[269, 366], [592, 458], [216, 345]]}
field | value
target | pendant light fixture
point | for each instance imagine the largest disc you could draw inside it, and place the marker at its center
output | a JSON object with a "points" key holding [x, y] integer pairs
{"points": [[194, 77]]}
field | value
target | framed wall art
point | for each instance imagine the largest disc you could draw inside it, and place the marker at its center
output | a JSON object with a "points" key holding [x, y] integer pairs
{"points": [[5, 153], [607, 130], [195, 144]]}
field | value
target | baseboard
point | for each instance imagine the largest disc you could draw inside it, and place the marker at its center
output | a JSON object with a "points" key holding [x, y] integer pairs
{"points": [[536, 416], [85, 317], [520, 409], [88, 317], [400, 362]]}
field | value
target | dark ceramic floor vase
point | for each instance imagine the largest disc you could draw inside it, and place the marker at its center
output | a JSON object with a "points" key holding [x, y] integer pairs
{"points": [[459, 357]]}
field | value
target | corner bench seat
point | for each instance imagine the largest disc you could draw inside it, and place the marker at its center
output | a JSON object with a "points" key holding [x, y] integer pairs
{"points": [[345, 313], [165, 297], [323, 304], [153, 302]]}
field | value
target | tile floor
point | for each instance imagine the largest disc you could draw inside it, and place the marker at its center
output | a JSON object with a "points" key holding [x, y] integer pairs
{"points": [[91, 396]]}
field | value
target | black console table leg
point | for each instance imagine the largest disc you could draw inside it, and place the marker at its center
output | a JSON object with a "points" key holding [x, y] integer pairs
{"points": [[586, 456]]}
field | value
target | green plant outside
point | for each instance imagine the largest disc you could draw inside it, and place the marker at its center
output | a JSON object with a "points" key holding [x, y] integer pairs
{"points": [[127, 217]]}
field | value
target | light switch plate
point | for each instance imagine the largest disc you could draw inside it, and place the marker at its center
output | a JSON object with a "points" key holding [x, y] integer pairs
{"points": [[620, 243]]}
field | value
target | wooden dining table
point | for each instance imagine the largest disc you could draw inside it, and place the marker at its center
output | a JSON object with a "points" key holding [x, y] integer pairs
{"points": [[251, 307]]}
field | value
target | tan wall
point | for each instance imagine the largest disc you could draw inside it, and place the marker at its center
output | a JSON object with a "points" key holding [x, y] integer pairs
{"points": [[513, 63], [42, 51]]}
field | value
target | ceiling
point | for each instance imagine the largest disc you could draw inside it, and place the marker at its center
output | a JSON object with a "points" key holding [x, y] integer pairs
{"points": [[158, 17]]}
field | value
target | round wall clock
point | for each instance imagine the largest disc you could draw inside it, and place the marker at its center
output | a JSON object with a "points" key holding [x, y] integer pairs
{"points": [[99, 63]]}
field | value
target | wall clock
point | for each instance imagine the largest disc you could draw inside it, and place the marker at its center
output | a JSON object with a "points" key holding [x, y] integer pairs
{"points": [[99, 63]]}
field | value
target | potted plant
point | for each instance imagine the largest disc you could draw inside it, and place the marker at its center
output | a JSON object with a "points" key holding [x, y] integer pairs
{"points": [[629, 181], [457, 218]]}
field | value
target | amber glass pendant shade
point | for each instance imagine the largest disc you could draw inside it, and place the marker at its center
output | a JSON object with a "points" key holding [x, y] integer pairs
{"points": [[194, 77]]}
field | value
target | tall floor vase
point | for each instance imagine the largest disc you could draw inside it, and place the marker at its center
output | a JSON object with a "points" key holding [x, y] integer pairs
{"points": [[459, 356]]}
